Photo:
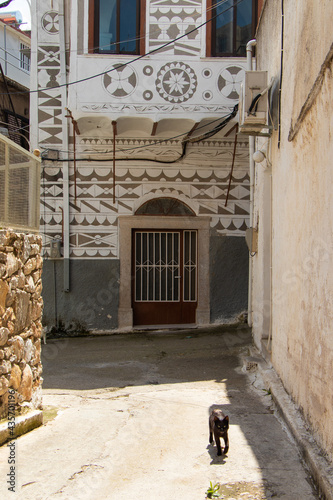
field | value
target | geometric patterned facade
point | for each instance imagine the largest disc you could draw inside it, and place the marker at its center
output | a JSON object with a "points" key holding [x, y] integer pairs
{"points": [[169, 21], [151, 103], [93, 216], [174, 82]]}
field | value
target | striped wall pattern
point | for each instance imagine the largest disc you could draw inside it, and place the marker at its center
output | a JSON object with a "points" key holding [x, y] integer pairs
{"points": [[94, 217]]}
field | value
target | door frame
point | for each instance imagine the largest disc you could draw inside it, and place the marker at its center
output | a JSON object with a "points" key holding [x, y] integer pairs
{"points": [[169, 310], [126, 224]]}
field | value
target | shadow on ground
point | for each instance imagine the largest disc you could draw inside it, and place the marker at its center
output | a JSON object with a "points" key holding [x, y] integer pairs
{"points": [[85, 363], [102, 363]]}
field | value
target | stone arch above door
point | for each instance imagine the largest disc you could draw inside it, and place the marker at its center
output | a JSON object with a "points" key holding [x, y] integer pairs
{"points": [[150, 197], [164, 206]]}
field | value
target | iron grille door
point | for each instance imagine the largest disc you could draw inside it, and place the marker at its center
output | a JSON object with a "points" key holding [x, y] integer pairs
{"points": [[165, 276], [157, 266]]}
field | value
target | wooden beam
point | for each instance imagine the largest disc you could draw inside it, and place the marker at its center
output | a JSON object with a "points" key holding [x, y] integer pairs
{"points": [[154, 128], [114, 127]]}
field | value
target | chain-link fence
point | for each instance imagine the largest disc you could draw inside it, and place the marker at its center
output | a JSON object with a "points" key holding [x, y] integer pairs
{"points": [[19, 187]]}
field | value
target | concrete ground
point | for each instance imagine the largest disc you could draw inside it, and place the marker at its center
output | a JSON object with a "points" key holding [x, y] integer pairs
{"points": [[132, 423]]}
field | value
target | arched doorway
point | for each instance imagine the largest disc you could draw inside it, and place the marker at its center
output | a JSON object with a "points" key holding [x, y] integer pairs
{"points": [[164, 264]]}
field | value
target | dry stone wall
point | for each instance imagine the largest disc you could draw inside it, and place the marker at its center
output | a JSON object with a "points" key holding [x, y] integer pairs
{"points": [[21, 308]]}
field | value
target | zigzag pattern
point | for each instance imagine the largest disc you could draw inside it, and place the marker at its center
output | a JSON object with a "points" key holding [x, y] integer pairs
{"points": [[94, 209]]}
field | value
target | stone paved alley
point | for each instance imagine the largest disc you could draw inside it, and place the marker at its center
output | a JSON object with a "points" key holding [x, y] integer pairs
{"points": [[132, 422]]}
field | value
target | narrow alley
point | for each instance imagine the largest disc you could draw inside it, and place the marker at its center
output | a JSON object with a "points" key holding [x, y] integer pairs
{"points": [[126, 416]]}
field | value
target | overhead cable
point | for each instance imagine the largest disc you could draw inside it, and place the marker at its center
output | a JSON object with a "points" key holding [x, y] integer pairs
{"points": [[185, 142], [122, 65]]}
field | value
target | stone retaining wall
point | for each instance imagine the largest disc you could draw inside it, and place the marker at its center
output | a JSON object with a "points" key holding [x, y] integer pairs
{"points": [[20, 318]]}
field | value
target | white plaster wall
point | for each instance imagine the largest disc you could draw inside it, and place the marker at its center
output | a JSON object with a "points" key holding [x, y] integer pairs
{"points": [[269, 53], [261, 277], [10, 57], [302, 210], [96, 94], [214, 83]]}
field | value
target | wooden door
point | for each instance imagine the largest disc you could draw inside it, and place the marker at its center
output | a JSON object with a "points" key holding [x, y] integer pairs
{"points": [[164, 277]]}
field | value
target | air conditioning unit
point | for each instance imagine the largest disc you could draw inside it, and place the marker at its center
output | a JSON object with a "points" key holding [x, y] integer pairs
{"points": [[253, 107]]}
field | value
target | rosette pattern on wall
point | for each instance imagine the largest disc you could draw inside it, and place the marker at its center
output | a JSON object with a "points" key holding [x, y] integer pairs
{"points": [[174, 87]]}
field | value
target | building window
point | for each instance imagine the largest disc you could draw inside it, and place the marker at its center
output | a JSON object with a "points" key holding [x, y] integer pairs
{"points": [[232, 26], [24, 57], [116, 26]]}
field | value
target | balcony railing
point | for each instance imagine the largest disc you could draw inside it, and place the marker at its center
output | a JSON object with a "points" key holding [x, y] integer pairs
{"points": [[19, 187]]}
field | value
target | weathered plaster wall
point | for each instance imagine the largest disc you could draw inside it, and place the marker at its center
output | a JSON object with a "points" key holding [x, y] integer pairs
{"points": [[201, 182], [261, 260], [20, 318], [229, 270], [91, 303], [302, 239]]}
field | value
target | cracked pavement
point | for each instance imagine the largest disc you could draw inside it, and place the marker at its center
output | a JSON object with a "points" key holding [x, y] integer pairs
{"points": [[132, 422]]}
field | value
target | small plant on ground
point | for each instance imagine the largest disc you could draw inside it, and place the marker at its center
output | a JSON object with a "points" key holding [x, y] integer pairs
{"points": [[268, 392], [212, 491]]}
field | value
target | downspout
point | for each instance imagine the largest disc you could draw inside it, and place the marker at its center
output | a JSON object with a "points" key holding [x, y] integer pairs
{"points": [[65, 165], [249, 46]]}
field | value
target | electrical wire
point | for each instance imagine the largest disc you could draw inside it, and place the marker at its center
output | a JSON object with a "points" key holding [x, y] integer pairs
{"points": [[158, 141], [255, 100], [138, 38], [11, 54], [16, 130], [122, 65], [16, 67], [23, 136], [185, 142], [12, 130], [192, 139], [5, 4]]}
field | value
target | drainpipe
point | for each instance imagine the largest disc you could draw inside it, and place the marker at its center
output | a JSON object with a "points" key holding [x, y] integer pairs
{"points": [[65, 166], [249, 47]]}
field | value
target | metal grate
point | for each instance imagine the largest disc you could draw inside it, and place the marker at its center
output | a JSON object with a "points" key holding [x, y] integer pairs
{"points": [[19, 187], [161, 269], [157, 266], [190, 266]]}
